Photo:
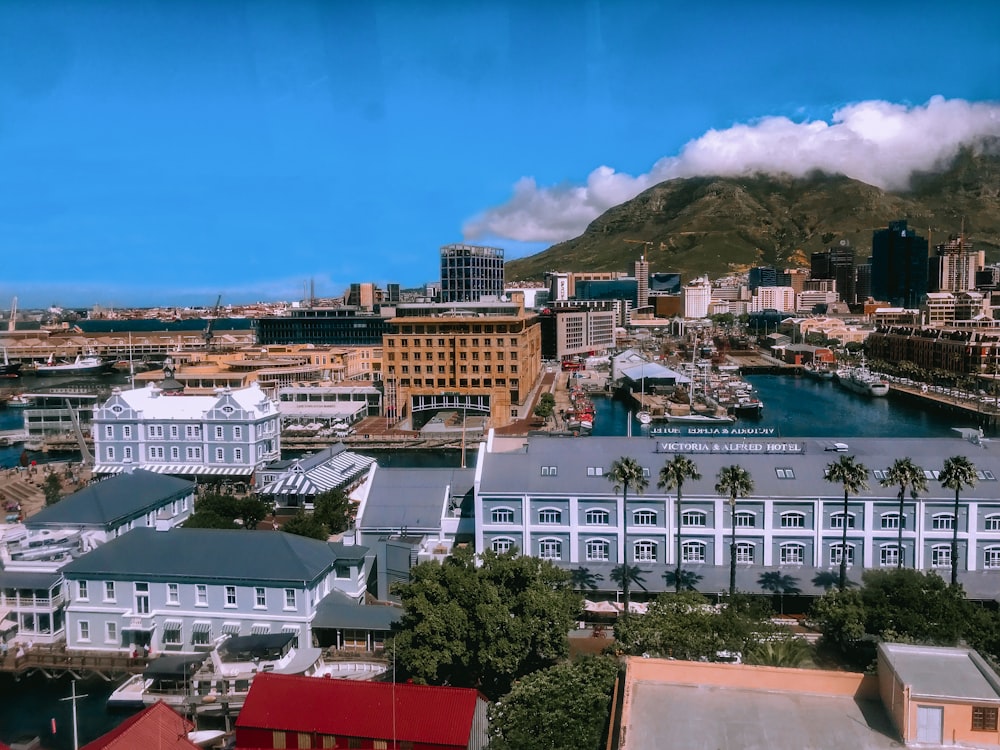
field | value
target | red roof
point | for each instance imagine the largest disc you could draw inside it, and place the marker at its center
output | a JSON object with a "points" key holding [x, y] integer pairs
{"points": [[158, 726], [423, 713]]}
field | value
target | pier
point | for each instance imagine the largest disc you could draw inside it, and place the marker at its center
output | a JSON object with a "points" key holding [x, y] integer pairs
{"points": [[54, 661]]}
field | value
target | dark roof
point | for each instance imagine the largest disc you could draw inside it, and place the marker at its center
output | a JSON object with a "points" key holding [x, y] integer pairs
{"points": [[169, 666], [348, 552], [261, 646], [413, 498], [423, 714], [216, 555], [23, 579], [111, 501], [338, 610], [150, 325]]}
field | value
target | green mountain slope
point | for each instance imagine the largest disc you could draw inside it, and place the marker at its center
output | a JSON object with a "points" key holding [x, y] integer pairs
{"points": [[712, 225]]}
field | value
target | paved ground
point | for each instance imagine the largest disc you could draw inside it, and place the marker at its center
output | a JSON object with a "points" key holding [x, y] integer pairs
{"points": [[23, 487]]}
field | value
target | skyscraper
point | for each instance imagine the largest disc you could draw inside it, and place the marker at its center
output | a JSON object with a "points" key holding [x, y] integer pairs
{"points": [[837, 263], [954, 265], [642, 281], [899, 265], [471, 272]]}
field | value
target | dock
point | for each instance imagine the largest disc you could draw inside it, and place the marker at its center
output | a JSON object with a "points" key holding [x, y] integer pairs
{"points": [[54, 661]]}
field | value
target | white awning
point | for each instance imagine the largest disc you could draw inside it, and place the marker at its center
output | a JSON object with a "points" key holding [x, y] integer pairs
{"points": [[201, 627], [260, 629], [172, 626], [231, 628], [180, 469]]}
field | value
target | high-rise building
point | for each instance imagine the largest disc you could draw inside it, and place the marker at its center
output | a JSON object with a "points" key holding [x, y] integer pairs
{"points": [[471, 272], [954, 265], [766, 276], [837, 263], [642, 282], [697, 297], [899, 265]]}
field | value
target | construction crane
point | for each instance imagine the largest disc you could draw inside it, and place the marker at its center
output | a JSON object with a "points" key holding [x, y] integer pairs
{"points": [[208, 335]]}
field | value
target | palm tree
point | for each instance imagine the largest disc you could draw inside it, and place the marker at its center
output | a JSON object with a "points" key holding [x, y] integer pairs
{"points": [[904, 474], [733, 482], [672, 476], [959, 472], [627, 472], [854, 478], [625, 575]]}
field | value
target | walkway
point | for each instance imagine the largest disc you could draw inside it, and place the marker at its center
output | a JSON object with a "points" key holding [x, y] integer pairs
{"points": [[55, 661]]}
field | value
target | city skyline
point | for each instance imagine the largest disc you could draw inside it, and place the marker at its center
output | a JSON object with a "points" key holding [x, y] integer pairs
{"points": [[164, 153]]}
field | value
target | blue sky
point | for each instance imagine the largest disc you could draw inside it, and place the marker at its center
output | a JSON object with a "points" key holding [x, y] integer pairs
{"points": [[168, 151]]}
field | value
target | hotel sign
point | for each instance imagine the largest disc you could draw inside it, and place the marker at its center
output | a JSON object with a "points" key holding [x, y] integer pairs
{"points": [[693, 445]]}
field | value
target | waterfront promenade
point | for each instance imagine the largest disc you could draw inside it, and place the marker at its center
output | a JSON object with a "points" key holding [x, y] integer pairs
{"points": [[55, 661]]}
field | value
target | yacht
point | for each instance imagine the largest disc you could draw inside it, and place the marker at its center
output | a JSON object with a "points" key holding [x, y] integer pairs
{"points": [[861, 380], [90, 364]]}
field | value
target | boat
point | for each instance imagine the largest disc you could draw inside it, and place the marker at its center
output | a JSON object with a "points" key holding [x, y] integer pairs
{"points": [[9, 369], [861, 380], [818, 371], [702, 420], [644, 417], [747, 407], [19, 402], [90, 364]]}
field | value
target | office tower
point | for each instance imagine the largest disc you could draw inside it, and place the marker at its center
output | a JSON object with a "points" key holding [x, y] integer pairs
{"points": [[559, 286], [863, 281], [697, 298], [954, 265], [837, 263], [642, 281], [767, 276], [471, 272], [899, 265]]}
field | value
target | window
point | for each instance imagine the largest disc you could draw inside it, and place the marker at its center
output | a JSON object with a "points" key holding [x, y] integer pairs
{"points": [[992, 522], [792, 554], [943, 522], [175, 453], [793, 520], [502, 545], [109, 591], [984, 718], [237, 455], [744, 553], [644, 518], [745, 520], [174, 431], [879, 474], [693, 552], [549, 471], [836, 553], [230, 596], [290, 599], [218, 433], [173, 594], [598, 550], [598, 517], [111, 632], [81, 591], [644, 551], [83, 630], [595, 471], [991, 557], [785, 473], [201, 595], [171, 633], [192, 453], [550, 549], [502, 515], [941, 556], [142, 598], [837, 521], [126, 432], [237, 433], [891, 521], [220, 455], [110, 453], [201, 633], [889, 556], [260, 598], [693, 518], [109, 431], [550, 515]]}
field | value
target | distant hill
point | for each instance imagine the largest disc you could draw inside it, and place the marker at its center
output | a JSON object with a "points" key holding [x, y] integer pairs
{"points": [[713, 225]]}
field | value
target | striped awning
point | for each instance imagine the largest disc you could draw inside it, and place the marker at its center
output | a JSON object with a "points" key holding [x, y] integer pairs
{"points": [[171, 626], [339, 471], [201, 627], [260, 629], [231, 628], [200, 470]]}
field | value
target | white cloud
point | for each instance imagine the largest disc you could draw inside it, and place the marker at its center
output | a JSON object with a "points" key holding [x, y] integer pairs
{"points": [[877, 142]]}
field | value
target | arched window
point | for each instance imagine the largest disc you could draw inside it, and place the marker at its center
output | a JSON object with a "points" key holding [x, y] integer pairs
{"points": [[943, 522], [888, 555], [745, 519], [694, 518], [693, 552], [550, 549], [836, 553], [793, 520], [502, 515], [991, 557], [792, 553], [992, 522], [745, 552], [598, 517], [598, 550], [941, 556], [891, 521], [644, 518], [549, 515], [837, 521], [644, 551], [502, 544]]}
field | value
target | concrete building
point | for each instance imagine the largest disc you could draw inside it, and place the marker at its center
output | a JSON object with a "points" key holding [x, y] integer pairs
{"points": [[942, 308], [470, 273], [899, 265], [774, 298], [697, 298], [569, 331], [953, 266]]}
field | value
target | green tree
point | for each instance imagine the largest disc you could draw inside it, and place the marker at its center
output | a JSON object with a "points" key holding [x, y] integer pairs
{"points": [[906, 475], [625, 575], [853, 477], [208, 519], [483, 625], [333, 509], [52, 488], [305, 524], [565, 706], [672, 477], [627, 473], [959, 472], [787, 651], [733, 482], [253, 510]]}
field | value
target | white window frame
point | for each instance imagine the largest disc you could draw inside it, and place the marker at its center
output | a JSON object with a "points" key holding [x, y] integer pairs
{"points": [[835, 553], [793, 519], [742, 516], [688, 518], [230, 596], [644, 550], [83, 631], [943, 522], [550, 548], [693, 551], [644, 517], [201, 595], [597, 517], [598, 550], [82, 591], [291, 600], [220, 455], [746, 553], [173, 594], [126, 432], [219, 433], [549, 516], [792, 553], [502, 545], [837, 520], [992, 522], [110, 631], [259, 597], [237, 432], [237, 455], [991, 558], [110, 591], [941, 556], [891, 520], [502, 515]]}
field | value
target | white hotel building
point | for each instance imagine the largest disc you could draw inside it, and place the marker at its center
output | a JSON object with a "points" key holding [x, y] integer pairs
{"points": [[551, 497], [231, 433]]}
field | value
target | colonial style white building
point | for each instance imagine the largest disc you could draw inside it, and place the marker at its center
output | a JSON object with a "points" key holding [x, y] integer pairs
{"points": [[231, 433], [551, 497]]}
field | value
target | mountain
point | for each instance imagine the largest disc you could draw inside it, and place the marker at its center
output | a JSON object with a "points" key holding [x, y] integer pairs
{"points": [[714, 225]]}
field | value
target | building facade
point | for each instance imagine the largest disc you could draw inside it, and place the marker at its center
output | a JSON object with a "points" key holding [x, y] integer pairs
{"points": [[899, 265], [471, 272], [327, 326]]}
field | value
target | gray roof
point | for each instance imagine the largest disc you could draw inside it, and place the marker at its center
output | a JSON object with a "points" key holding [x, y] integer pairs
{"points": [[652, 371], [940, 672], [348, 552], [519, 471], [337, 610], [214, 555], [413, 499], [110, 502], [22, 579]]}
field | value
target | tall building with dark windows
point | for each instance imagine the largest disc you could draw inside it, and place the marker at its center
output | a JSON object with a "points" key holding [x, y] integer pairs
{"points": [[837, 263], [899, 265], [471, 272], [766, 276]]}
